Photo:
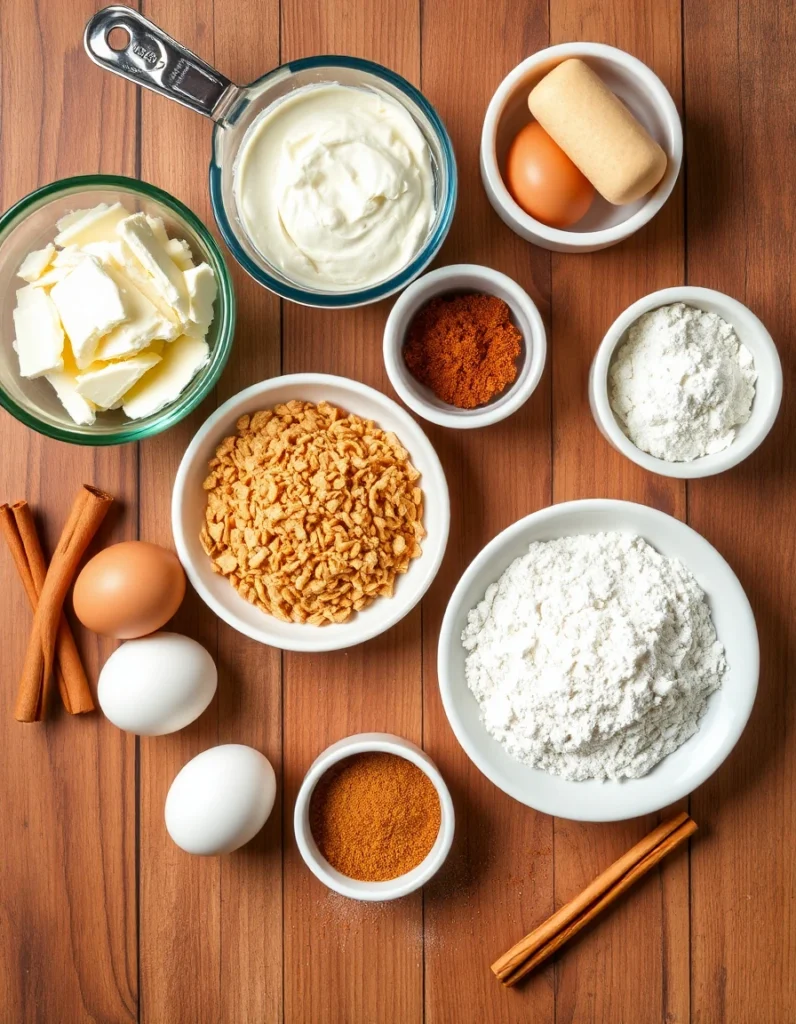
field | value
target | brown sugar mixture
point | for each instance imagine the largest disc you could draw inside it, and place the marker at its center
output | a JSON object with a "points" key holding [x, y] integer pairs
{"points": [[463, 347], [375, 816]]}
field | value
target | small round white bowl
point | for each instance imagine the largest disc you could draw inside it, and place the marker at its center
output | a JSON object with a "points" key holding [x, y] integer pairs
{"points": [[465, 277], [640, 90], [367, 742], [728, 709], [189, 502], [768, 388]]}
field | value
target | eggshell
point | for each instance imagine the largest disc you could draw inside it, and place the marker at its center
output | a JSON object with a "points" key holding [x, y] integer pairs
{"points": [[129, 589], [220, 800], [544, 181], [157, 684]]}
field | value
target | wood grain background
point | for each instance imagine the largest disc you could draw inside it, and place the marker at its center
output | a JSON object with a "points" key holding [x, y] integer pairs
{"points": [[102, 918]]}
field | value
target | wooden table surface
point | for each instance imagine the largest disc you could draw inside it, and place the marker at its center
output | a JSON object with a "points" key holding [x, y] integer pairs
{"points": [[101, 917]]}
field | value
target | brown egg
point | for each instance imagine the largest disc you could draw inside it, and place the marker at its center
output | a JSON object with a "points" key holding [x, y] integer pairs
{"points": [[129, 590], [544, 181]]}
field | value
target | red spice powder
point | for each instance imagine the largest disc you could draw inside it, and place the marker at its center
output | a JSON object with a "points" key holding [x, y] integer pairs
{"points": [[463, 347]]}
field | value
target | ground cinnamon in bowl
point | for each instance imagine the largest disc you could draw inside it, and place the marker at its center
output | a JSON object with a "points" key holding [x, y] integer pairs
{"points": [[464, 348], [375, 816]]}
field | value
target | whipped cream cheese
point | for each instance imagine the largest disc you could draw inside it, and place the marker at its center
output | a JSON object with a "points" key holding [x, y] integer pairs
{"points": [[334, 186]]}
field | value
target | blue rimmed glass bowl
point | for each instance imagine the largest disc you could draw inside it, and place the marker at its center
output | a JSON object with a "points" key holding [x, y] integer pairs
{"points": [[154, 60], [272, 88]]}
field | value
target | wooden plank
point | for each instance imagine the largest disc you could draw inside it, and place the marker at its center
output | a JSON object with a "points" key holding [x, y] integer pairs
{"points": [[647, 938], [219, 918], [67, 787], [211, 930], [346, 961], [740, 92], [499, 880]]}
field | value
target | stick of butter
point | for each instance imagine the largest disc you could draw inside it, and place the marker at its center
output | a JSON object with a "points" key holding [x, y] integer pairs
{"points": [[597, 132]]}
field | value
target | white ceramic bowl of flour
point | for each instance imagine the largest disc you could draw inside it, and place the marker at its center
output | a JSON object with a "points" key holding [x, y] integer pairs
{"points": [[768, 386], [728, 708]]}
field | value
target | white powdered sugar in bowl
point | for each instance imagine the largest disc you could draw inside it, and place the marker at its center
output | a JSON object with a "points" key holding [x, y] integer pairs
{"points": [[593, 656], [682, 383]]}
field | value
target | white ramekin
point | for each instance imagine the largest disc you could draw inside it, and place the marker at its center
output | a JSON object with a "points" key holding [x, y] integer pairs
{"points": [[465, 277], [768, 388], [638, 87], [362, 743]]}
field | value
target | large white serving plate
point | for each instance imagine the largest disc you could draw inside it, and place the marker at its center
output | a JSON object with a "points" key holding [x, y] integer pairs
{"points": [[189, 501], [728, 709]]}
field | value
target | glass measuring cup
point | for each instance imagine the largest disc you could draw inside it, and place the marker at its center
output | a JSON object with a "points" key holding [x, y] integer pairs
{"points": [[153, 59]]}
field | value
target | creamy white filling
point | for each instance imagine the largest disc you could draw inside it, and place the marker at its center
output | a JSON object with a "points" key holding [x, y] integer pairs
{"points": [[334, 186]]}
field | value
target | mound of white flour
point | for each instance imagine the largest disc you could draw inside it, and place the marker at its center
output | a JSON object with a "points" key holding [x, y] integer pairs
{"points": [[682, 383], [593, 656]]}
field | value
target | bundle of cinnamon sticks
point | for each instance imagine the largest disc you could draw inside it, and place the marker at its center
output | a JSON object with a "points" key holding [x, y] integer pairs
{"points": [[550, 936], [52, 648]]}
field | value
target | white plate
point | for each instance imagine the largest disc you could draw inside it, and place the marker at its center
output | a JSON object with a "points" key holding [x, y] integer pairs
{"points": [[728, 709], [189, 502]]}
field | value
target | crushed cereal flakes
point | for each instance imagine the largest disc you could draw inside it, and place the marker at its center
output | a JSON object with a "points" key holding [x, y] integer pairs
{"points": [[312, 512]]}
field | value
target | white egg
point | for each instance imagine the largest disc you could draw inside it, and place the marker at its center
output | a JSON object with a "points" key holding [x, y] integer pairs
{"points": [[220, 800], [157, 684]]}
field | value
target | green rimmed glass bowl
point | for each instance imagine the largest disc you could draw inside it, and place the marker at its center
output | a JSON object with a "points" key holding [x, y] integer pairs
{"points": [[29, 225]]}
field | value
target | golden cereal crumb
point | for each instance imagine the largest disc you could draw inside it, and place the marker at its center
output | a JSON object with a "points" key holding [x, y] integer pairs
{"points": [[311, 512]]}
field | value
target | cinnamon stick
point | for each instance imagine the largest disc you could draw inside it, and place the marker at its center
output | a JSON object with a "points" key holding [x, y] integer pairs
{"points": [[19, 528], [88, 511], [526, 947], [636, 872], [535, 948]]}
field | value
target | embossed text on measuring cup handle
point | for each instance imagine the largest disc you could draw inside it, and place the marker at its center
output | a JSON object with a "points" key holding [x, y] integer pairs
{"points": [[153, 59]]}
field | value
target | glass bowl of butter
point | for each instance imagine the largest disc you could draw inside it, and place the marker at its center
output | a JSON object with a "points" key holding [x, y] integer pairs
{"points": [[333, 179], [118, 310]]}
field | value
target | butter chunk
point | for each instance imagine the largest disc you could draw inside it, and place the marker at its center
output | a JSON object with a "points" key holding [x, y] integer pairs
{"points": [[39, 341], [141, 325], [133, 270], [201, 282], [70, 256], [74, 216], [182, 360], [90, 305], [97, 225], [180, 252], [158, 229], [108, 384], [51, 277], [35, 263], [150, 253], [110, 254], [82, 411]]}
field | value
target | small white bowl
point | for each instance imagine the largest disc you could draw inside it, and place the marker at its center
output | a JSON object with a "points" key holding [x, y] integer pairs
{"points": [[367, 742], [728, 709], [465, 277], [640, 90], [768, 388], [189, 501]]}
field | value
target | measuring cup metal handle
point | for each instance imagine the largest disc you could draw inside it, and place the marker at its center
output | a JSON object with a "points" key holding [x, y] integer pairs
{"points": [[153, 59]]}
